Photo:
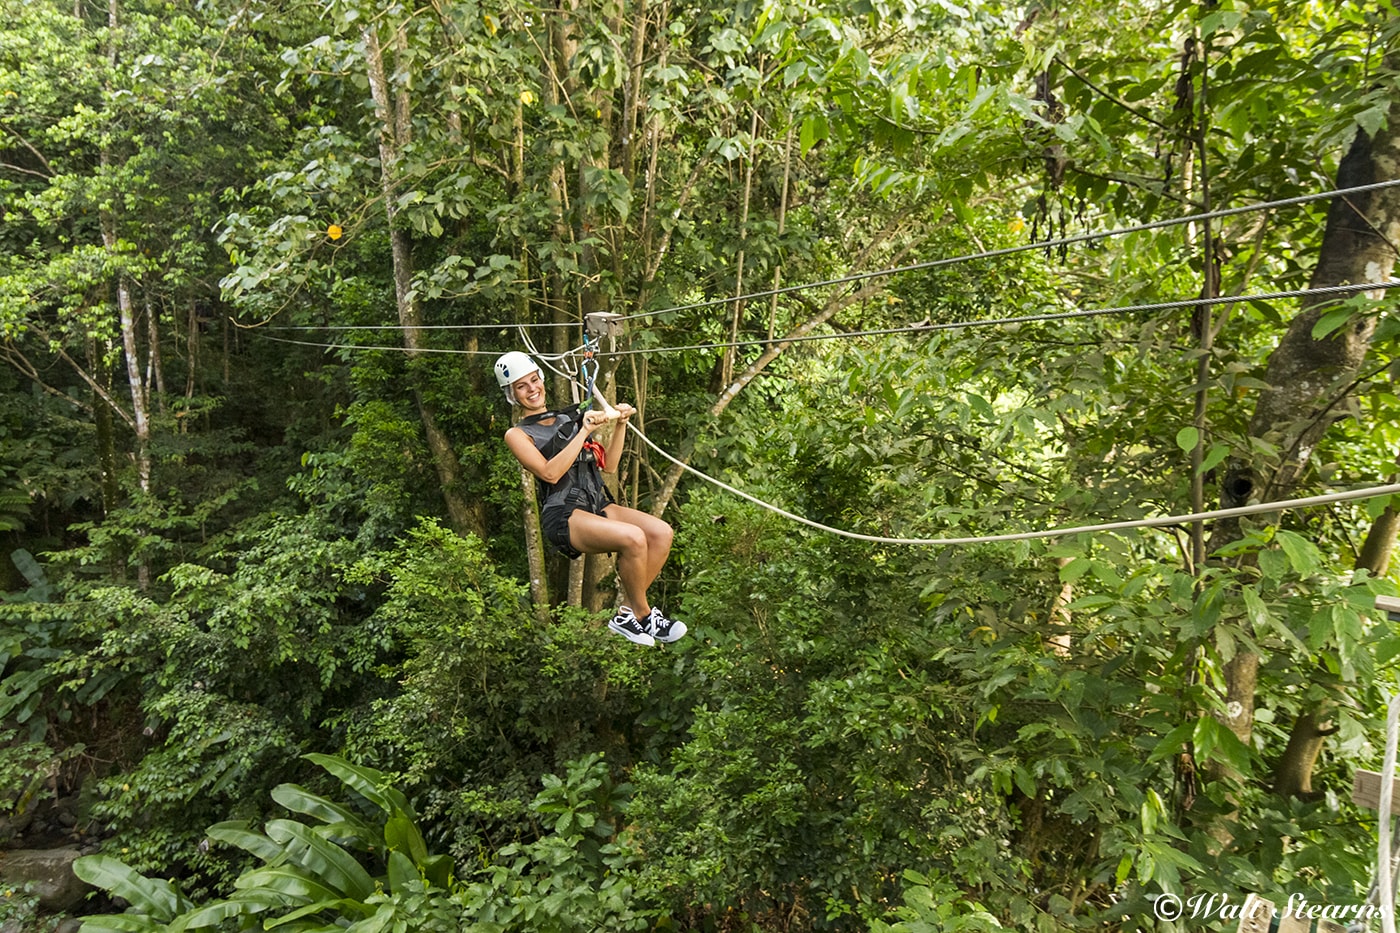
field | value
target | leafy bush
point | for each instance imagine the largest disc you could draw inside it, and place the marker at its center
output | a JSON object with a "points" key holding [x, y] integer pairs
{"points": [[364, 866]]}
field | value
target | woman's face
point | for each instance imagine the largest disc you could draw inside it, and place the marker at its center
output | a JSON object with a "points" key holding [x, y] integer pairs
{"points": [[529, 391]]}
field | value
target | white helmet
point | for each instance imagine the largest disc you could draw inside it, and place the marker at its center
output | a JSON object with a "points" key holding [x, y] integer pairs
{"points": [[511, 368]]}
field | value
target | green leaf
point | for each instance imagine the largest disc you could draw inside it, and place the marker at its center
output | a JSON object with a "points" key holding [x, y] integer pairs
{"points": [[814, 130], [371, 784], [401, 872], [1125, 865], [29, 567], [1171, 743], [341, 822], [237, 833], [211, 915], [339, 906], [1255, 610], [1187, 438], [289, 880], [1387, 649], [376, 923], [1302, 553], [402, 835], [153, 896], [437, 869], [1074, 569], [1331, 321], [119, 923], [331, 864], [1217, 453]]}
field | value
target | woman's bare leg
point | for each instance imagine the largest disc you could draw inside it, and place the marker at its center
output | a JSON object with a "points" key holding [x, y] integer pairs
{"points": [[658, 535], [598, 534]]}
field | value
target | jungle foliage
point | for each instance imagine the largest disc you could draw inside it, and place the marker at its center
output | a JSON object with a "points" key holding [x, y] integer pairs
{"points": [[267, 608]]}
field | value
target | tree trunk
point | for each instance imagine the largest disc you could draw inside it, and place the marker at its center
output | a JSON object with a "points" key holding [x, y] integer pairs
{"points": [[1379, 545], [465, 517], [1059, 640], [106, 435], [1293, 773], [534, 548], [155, 366], [1307, 377]]}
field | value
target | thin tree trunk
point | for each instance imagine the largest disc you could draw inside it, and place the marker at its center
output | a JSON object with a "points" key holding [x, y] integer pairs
{"points": [[465, 517], [191, 350], [1058, 641], [155, 372], [530, 516], [782, 226], [106, 434], [534, 548], [730, 352], [1293, 773]]}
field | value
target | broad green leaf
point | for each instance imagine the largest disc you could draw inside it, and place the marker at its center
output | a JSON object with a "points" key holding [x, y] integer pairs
{"points": [[299, 800], [31, 569], [237, 833], [376, 923], [290, 880], [339, 907], [1331, 321], [120, 923], [211, 915], [1213, 458], [1172, 742], [1187, 438], [1255, 610], [437, 869], [401, 834], [371, 784], [401, 871], [153, 896], [1387, 649], [1074, 569], [330, 864]]}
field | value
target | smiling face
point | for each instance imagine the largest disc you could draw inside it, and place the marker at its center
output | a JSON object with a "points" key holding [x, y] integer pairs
{"points": [[528, 392]]}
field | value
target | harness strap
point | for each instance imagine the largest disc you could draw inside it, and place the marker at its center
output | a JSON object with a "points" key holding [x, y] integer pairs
{"points": [[598, 454]]}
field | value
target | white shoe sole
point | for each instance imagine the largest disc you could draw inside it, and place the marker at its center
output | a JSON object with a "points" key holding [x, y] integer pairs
{"points": [[677, 632], [640, 639]]}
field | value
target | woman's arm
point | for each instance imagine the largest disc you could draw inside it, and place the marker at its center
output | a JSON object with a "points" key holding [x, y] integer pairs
{"points": [[612, 451], [553, 469]]}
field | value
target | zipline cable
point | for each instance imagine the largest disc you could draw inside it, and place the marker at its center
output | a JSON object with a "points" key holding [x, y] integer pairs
{"points": [[416, 326], [403, 349], [1026, 247], [930, 264], [1026, 318], [909, 329], [1369, 492]]}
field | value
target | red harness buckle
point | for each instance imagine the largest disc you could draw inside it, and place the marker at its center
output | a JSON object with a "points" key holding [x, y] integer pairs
{"points": [[598, 455]]}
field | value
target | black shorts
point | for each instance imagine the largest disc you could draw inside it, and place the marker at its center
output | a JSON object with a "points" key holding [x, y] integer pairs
{"points": [[554, 521]]}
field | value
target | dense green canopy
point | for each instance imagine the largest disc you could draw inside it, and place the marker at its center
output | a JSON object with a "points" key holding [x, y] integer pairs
{"points": [[258, 255]]}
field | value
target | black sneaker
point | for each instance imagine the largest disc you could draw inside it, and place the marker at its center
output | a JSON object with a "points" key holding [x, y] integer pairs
{"points": [[664, 629], [625, 623]]}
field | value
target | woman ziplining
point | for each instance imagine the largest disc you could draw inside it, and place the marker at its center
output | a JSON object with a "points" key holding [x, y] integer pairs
{"points": [[577, 514]]}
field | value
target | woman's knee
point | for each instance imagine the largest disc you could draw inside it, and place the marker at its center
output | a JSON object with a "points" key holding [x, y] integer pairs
{"points": [[659, 536], [632, 540]]}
